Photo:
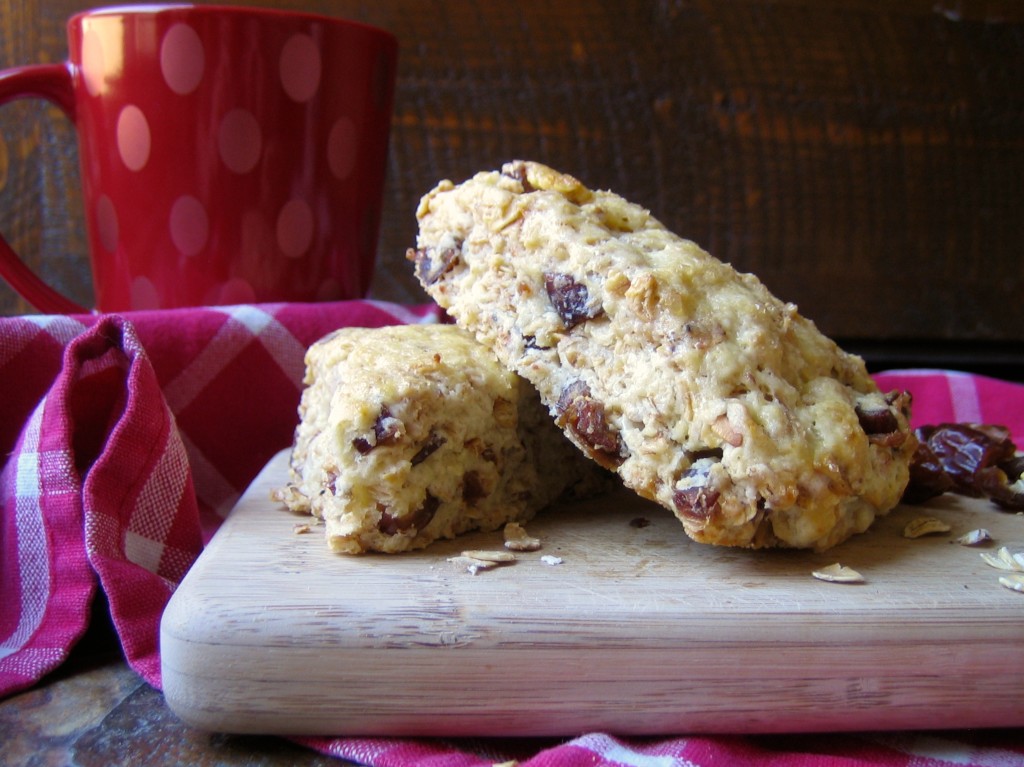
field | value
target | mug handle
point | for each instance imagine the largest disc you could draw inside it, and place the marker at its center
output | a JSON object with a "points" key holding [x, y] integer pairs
{"points": [[53, 83]]}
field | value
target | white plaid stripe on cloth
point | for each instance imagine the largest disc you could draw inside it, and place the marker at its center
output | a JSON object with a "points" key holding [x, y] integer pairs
{"points": [[45, 608], [129, 439]]}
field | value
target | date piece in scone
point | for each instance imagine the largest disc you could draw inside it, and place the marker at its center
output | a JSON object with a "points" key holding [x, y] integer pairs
{"points": [[413, 433], [697, 386]]}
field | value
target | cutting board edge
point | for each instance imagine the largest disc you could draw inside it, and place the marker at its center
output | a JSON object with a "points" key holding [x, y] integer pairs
{"points": [[670, 707]]}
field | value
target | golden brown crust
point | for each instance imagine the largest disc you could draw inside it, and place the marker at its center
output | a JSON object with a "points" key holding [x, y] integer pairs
{"points": [[413, 433], [701, 389]]}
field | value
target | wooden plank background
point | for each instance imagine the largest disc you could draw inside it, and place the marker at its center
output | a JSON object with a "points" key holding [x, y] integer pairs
{"points": [[864, 157]]}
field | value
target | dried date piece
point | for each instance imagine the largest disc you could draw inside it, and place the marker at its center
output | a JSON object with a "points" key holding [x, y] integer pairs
{"points": [[928, 479], [434, 441], [882, 424], [874, 422], [693, 497], [517, 170], [1014, 467], [1003, 489], [966, 449], [431, 264], [570, 299], [387, 430], [473, 488], [585, 418], [419, 519], [697, 501], [976, 460]]}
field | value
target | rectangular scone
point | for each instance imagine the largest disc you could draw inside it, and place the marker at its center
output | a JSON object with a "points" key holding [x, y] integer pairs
{"points": [[701, 389], [413, 433]]}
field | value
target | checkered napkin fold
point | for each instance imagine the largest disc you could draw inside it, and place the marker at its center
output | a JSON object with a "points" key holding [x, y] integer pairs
{"points": [[128, 438]]}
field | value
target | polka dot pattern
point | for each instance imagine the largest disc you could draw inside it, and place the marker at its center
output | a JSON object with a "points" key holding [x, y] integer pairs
{"points": [[182, 59], [236, 291], [238, 140], [144, 294], [189, 225], [133, 137], [278, 180], [295, 228], [300, 67]]}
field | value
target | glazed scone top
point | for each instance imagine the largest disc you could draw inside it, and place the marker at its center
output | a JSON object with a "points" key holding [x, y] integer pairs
{"points": [[701, 389]]}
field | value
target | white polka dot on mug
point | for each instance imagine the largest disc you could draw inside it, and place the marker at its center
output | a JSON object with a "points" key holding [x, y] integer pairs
{"points": [[239, 140], [133, 137], [295, 228], [189, 225], [182, 59], [300, 67]]}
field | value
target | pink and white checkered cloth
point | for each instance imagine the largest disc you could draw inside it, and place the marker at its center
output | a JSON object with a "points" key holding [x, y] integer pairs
{"points": [[128, 438]]}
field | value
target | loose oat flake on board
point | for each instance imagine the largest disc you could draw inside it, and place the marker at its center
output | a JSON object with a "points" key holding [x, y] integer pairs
{"points": [[517, 539], [974, 537], [1013, 581], [498, 557], [921, 526], [1004, 560], [475, 561], [837, 573]]}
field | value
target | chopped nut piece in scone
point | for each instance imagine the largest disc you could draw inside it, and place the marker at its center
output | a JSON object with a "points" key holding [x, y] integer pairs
{"points": [[413, 433], [690, 380]]}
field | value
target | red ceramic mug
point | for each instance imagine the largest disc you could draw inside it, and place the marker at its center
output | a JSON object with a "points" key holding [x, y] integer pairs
{"points": [[228, 155]]}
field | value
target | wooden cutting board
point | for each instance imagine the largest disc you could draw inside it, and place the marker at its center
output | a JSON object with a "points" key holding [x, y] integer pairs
{"points": [[637, 630]]}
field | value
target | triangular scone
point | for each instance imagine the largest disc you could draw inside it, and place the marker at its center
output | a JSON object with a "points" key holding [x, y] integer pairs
{"points": [[413, 433], [697, 386]]}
